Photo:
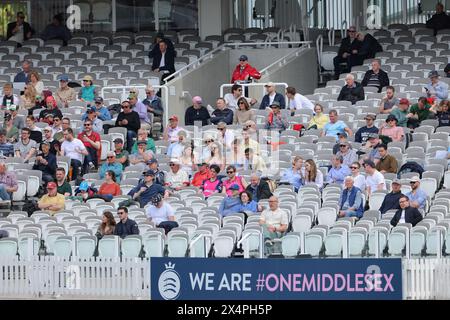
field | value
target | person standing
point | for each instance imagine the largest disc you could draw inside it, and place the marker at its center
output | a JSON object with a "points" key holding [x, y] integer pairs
{"points": [[244, 72]]}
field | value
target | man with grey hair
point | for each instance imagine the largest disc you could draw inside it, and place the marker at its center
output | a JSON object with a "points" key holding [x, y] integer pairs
{"points": [[111, 164], [24, 75], [352, 91], [351, 201], [8, 183], [375, 77], [338, 171], [274, 222], [258, 188]]}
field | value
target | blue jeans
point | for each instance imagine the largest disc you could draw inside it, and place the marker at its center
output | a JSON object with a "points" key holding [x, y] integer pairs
{"points": [[4, 195], [90, 157], [130, 136]]}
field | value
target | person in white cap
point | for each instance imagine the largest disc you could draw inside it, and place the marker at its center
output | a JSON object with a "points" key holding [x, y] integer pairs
{"points": [[417, 197], [272, 96], [176, 178], [196, 112]]}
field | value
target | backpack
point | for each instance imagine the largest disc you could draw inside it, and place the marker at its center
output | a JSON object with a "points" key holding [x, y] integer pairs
{"points": [[30, 206], [272, 184], [411, 166]]}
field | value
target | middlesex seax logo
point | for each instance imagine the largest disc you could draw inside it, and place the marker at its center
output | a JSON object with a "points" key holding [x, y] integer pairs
{"points": [[169, 283]]}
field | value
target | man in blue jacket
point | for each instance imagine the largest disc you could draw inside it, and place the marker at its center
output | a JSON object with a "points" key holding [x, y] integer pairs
{"points": [[271, 97], [126, 226], [147, 189], [351, 202], [222, 113]]}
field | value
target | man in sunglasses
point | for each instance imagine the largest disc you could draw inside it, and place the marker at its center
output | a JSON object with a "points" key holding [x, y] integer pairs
{"points": [[19, 30], [111, 164], [100, 110], [92, 142], [146, 189], [129, 119], [236, 93], [348, 51], [64, 94], [126, 226], [97, 124], [417, 196]]}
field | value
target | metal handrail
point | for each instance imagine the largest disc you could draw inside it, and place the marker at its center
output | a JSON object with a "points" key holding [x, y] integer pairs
{"points": [[287, 56], [195, 240]]}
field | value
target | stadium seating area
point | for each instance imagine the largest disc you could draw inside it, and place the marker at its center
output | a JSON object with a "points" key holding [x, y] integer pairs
{"points": [[410, 52]]}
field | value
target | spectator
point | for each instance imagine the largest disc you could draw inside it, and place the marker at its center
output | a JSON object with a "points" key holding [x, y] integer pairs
{"points": [[258, 188], [224, 136], [388, 102], [62, 186], [18, 121], [248, 205], [335, 126], [358, 179], [75, 150], [391, 200], [319, 120], [371, 148], [161, 214], [52, 202], [352, 91], [216, 156], [36, 82], [25, 148], [29, 99], [141, 110], [447, 70], [244, 72], [176, 149], [232, 99], [164, 61], [439, 20], [111, 164], [9, 98], [176, 178], [97, 124], [351, 200], [196, 112], [46, 162], [160, 176], [145, 190], [6, 148], [387, 163], [436, 89], [143, 136], [65, 94], [297, 101], [154, 105], [51, 108], [406, 213], [222, 113], [126, 226], [338, 172], [213, 184], [276, 120], [88, 92], [271, 97], [253, 162], [419, 112], [374, 179], [35, 131], [370, 46], [92, 142], [236, 157], [12, 133], [376, 77], [293, 176], [248, 142], [442, 112], [250, 125], [312, 174], [121, 154], [110, 188], [201, 175], [141, 156], [155, 48], [65, 124], [401, 112], [24, 75], [243, 113], [85, 191], [48, 138], [417, 197], [107, 226], [231, 203], [233, 179], [19, 31], [348, 53], [99, 109], [8, 183], [128, 119], [274, 222], [390, 132], [171, 132], [347, 153], [188, 159], [57, 30]]}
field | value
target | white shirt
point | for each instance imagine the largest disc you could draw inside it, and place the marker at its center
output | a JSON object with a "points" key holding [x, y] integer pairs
{"points": [[402, 218], [177, 179], [372, 181], [69, 149], [274, 218], [39, 86], [18, 36], [227, 139], [271, 98], [232, 101], [177, 150], [159, 215], [360, 182], [172, 133], [300, 102], [319, 179], [162, 63]]}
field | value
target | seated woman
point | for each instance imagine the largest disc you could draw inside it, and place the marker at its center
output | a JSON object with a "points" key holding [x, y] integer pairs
{"points": [[161, 213], [110, 188], [233, 179], [216, 156], [248, 206], [107, 226], [390, 132], [319, 120], [188, 160], [442, 112], [312, 174], [213, 184]]}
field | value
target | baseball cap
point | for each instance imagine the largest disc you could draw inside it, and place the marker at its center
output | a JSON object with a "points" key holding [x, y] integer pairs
{"points": [[269, 84], [63, 77], [234, 187], [98, 99], [149, 173], [414, 179], [141, 142], [49, 115], [370, 116], [373, 136], [433, 73], [200, 164], [243, 58], [152, 161], [12, 107], [397, 181], [48, 128], [173, 117], [87, 78], [197, 99], [404, 101], [275, 104], [84, 186], [118, 140], [52, 185], [45, 142], [174, 161], [156, 199], [90, 110]]}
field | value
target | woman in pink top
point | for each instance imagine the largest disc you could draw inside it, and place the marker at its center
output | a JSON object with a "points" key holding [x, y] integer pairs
{"points": [[391, 130], [233, 179], [213, 184]]}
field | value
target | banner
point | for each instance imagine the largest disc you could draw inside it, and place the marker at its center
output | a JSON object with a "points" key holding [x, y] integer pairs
{"points": [[275, 279]]}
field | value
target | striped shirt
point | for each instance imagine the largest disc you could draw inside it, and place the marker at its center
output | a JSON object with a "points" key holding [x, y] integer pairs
{"points": [[6, 150]]}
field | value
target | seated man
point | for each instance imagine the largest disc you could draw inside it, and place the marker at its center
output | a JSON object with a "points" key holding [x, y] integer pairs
{"points": [[46, 162], [147, 189], [236, 93], [9, 98], [222, 113], [351, 202], [375, 77], [121, 154], [160, 176], [201, 175], [293, 176], [419, 112], [335, 126], [75, 150], [93, 145], [338, 172], [51, 108], [111, 164], [97, 124], [6, 148], [142, 155], [352, 91], [271, 97], [176, 178], [175, 150], [125, 226], [347, 153], [143, 136], [276, 120], [161, 214], [391, 200], [63, 187], [128, 119], [389, 101], [406, 213], [417, 197], [274, 222], [57, 30], [253, 162], [258, 188], [439, 20], [25, 148], [436, 89], [52, 202], [141, 109], [64, 94], [230, 204], [387, 163], [348, 52], [8, 183]]}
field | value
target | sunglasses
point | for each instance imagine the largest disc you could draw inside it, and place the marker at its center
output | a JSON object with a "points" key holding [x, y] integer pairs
{"points": [[87, 125], [412, 182], [172, 165], [120, 213], [342, 145], [221, 129], [208, 141], [86, 80], [110, 157], [230, 172], [98, 102], [354, 168], [241, 102]]}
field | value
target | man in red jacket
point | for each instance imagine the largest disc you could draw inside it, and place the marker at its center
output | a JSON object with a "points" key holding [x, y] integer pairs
{"points": [[244, 71]]}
